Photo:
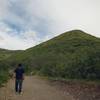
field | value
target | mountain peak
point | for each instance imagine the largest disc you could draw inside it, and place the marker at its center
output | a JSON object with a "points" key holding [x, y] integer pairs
{"points": [[74, 34], [77, 30]]}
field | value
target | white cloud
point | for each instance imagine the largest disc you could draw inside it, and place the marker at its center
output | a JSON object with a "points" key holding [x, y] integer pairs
{"points": [[13, 42], [16, 42]]}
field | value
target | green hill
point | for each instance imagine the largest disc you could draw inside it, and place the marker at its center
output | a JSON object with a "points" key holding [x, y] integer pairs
{"points": [[73, 54], [5, 54], [4, 65]]}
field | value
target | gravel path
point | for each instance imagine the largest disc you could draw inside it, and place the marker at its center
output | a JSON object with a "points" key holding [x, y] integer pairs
{"points": [[34, 88]]}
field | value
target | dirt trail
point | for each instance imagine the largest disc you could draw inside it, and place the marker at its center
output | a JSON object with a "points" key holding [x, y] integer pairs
{"points": [[34, 88]]}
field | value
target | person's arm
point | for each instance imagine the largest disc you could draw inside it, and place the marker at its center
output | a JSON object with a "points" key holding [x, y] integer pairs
{"points": [[23, 74]]}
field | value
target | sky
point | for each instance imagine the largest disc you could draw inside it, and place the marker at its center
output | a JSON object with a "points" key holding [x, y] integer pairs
{"points": [[26, 23]]}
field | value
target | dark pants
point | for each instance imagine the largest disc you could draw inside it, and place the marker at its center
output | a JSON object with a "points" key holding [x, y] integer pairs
{"points": [[18, 85]]}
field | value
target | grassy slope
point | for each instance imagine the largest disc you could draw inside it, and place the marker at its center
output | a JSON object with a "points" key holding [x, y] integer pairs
{"points": [[73, 54], [4, 55]]}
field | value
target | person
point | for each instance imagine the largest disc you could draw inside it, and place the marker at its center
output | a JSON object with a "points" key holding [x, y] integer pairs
{"points": [[19, 77]]}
